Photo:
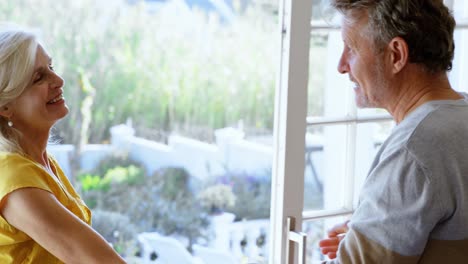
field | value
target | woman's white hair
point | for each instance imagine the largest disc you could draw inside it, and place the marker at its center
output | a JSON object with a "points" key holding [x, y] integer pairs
{"points": [[18, 48]]}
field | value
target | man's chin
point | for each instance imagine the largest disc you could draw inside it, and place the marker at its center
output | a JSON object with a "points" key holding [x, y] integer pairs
{"points": [[361, 102]]}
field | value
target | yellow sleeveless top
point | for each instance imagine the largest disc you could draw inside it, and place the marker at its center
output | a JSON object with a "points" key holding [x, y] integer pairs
{"points": [[18, 172]]}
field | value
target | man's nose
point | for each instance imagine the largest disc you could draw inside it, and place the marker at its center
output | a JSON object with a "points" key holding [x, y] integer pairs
{"points": [[343, 65]]}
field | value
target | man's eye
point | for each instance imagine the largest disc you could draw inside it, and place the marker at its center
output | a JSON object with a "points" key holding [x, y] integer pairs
{"points": [[51, 67]]}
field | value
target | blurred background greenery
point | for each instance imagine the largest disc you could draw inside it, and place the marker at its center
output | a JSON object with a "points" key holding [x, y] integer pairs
{"points": [[167, 72]]}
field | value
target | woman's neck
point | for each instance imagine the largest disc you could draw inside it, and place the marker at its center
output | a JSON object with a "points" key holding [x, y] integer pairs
{"points": [[35, 149]]}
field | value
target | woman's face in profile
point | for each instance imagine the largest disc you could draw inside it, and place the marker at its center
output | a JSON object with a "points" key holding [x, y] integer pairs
{"points": [[42, 103]]}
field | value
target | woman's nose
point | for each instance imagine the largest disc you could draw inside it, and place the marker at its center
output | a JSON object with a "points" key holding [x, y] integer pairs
{"points": [[57, 81]]}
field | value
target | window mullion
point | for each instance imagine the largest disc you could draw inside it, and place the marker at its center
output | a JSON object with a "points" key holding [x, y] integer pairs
{"points": [[321, 214], [315, 121]]}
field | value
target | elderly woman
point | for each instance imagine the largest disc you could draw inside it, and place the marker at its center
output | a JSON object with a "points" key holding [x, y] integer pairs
{"points": [[42, 218]]}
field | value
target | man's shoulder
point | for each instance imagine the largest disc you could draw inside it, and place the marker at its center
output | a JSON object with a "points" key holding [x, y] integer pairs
{"points": [[443, 123], [437, 135], [429, 127]]}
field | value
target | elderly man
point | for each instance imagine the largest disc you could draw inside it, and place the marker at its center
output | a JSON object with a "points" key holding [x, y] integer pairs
{"points": [[413, 206]]}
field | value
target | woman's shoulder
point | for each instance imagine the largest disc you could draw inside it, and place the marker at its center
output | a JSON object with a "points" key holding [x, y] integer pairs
{"points": [[14, 164], [7, 158]]}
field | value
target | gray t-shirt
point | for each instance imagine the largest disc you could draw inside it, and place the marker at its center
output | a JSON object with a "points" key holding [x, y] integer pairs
{"points": [[413, 207]]}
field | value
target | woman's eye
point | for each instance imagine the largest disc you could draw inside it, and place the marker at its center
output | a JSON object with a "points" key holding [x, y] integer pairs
{"points": [[51, 67]]}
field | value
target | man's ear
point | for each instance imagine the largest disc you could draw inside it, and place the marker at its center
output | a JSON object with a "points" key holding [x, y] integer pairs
{"points": [[399, 54]]}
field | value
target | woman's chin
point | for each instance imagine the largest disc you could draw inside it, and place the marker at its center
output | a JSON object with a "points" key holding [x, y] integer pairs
{"points": [[62, 113]]}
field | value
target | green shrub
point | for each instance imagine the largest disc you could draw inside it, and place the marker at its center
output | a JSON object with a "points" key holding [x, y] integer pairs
{"points": [[119, 175], [117, 159], [164, 202], [174, 182], [101, 187], [179, 211], [252, 193], [217, 198], [92, 182], [117, 229]]}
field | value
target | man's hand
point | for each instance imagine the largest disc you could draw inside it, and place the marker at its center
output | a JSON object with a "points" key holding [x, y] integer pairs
{"points": [[329, 246]]}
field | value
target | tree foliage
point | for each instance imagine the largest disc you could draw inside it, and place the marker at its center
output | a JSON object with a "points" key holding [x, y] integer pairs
{"points": [[163, 71]]}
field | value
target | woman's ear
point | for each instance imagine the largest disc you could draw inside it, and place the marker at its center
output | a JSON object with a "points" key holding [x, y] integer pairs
{"points": [[6, 111], [399, 54]]}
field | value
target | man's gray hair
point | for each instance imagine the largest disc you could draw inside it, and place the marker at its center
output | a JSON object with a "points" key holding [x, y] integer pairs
{"points": [[426, 25]]}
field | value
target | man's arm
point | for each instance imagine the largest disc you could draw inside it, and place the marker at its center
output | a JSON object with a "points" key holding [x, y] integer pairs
{"points": [[399, 207], [40, 215]]}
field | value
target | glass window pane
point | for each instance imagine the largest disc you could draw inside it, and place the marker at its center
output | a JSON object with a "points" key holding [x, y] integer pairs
{"points": [[328, 181], [171, 116], [323, 15], [329, 92], [325, 167], [460, 11], [458, 75]]}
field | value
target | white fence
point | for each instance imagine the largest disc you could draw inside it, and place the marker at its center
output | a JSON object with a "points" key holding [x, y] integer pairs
{"points": [[236, 242], [231, 152]]}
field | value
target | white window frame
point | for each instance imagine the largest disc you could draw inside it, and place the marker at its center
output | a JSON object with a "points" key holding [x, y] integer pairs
{"points": [[289, 125]]}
